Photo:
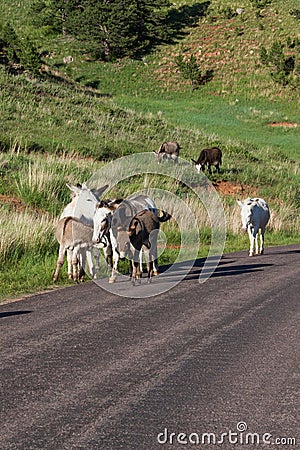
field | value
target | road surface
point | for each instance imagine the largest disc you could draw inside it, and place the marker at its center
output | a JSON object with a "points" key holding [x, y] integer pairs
{"points": [[213, 365]]}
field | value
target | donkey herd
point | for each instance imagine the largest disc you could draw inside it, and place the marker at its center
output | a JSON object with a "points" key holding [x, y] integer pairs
{"points": [[129, 227]]}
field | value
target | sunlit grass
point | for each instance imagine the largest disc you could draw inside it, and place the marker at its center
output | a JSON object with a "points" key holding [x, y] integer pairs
{"points": [[60, 130], [24, 232]]}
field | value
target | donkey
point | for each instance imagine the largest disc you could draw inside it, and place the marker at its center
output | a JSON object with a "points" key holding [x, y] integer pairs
{"points": [[81, 209], [113, 217], [168, 150], [210, 157], [75, 238], [255, 215], [141, 235]]}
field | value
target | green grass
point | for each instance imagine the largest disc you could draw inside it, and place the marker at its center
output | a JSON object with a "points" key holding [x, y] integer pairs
{"points": [[29, 274], [64, 125]]}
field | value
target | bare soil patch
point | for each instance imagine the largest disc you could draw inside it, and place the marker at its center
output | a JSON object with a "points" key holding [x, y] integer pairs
{"points": [[228, 188], [12, 201]]}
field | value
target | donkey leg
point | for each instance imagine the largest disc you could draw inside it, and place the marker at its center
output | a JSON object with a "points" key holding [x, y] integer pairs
{"points": [[97, 262], [81, 263], [136, 274], [153, 251], [256, 244], [141, 262], [88, 260], [60, 261], [251, 238], [115, 259], [255, 236], [149, 262], [69, 260], [75, 264], [262, 242]]}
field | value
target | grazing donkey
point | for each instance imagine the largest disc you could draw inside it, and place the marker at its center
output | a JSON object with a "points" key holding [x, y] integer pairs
{"points": [[255, 216], [210, 157], [168, 150]]}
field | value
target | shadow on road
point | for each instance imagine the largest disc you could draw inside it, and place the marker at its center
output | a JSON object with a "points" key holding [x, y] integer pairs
{"points": [[222, 271], [224, 268], [13, 313]]}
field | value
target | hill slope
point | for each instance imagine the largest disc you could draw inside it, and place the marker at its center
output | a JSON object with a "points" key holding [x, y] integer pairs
{"points": [[62, 126]]}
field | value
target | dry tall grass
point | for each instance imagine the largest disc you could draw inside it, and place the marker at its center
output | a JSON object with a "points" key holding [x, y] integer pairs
{"points": [[24, 232]]}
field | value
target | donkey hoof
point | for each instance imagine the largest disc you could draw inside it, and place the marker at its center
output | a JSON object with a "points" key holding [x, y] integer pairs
{"points": [[111, 280], [155, 273]]}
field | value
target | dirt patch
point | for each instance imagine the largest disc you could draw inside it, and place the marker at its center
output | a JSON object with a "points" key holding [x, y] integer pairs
{"points": [[228, 188], [12, 201], [16, 204], [284, 124]]}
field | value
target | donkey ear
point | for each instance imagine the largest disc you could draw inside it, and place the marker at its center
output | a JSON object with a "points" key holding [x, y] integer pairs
{"points": [[117, 201], [76, 189], [98, 192], [132, 228], [114, 205]]}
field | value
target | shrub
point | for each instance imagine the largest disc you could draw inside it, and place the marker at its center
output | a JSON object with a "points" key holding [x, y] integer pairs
{"points": [[190, 70], [260, 4], [295, 13], [280, 65], [16, 51]]}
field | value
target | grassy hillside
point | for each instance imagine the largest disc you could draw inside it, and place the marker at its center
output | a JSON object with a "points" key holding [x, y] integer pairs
{"points": [[61, 127]]}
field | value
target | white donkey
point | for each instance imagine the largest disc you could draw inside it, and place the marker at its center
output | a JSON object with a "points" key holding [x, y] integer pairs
{"points": [[255, 216], [73, 239], [103, 233]]}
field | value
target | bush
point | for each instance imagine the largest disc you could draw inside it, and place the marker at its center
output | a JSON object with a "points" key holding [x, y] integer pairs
{"points": [[10, 44], [190, 70], [295, 13], [281, 66], [260, 4], [16, 51], [29, 56]]}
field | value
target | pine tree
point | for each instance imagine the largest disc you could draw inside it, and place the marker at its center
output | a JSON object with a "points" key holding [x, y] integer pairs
{"points": [[281, 66], [18, 52], [53, 14], [29, 56], [10, 44], [190, 70], [109, 28]]}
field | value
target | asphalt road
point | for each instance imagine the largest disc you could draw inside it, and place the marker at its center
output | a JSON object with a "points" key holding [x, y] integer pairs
{"points": [[82, 368]]}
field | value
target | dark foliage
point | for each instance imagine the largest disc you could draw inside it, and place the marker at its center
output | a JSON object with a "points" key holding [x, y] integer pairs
{"points": [[18, 54], [113, 29], [295, 13], [190, 70], [281, 67]]}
